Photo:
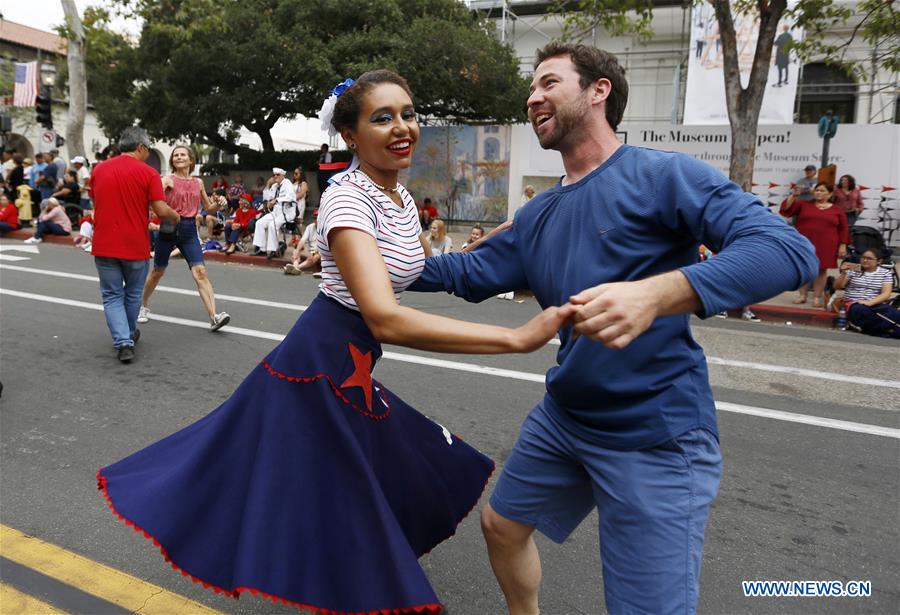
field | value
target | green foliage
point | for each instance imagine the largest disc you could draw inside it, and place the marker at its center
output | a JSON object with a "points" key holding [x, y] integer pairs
{"points": [[617, 17], [205, 68], [110, 70], [877, 22]]}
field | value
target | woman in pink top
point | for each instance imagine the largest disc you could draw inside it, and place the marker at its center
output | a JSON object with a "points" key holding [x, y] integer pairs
{"points": [[847, 198], [184, 194], [53, 220]]}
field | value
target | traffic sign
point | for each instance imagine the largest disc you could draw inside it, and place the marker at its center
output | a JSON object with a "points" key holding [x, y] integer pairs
{"points": [[48, 140]]}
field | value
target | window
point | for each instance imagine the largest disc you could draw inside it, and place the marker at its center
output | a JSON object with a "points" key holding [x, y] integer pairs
{"points": [[491, 149], [823, 87]]}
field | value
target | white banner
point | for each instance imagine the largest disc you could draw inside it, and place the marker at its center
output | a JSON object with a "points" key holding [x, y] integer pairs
{"points": [[704, 101], [868, 152]]}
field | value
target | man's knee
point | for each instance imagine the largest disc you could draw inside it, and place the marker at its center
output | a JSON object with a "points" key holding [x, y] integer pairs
{"points": [[199, 273], [499, 530]]}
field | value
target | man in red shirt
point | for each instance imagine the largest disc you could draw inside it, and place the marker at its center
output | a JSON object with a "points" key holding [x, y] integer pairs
{"points": [[123, 187]]}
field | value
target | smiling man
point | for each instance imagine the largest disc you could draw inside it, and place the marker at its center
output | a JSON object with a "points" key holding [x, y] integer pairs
{"points": [[628, 424]]}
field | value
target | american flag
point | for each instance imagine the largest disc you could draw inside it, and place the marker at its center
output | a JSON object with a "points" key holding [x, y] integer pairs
{"points": [[26, 89]]}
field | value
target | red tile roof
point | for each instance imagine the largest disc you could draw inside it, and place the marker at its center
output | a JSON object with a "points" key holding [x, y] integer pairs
{"points": [[27, 36]]}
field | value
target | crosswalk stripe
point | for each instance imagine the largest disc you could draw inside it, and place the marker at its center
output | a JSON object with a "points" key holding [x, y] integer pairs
{"points": [[15, 602], [93, 577]]}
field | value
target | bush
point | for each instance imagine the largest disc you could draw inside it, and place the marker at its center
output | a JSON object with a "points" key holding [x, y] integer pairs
{"points": [[287, 160]]}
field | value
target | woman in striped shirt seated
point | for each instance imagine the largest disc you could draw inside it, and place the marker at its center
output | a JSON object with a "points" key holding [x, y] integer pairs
{"points": [[313, 484], [867, 290]]}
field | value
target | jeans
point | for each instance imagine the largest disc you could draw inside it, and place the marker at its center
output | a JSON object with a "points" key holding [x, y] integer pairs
{"points": [[186, 240], [49, 226], [121, 287], [5, 228]]}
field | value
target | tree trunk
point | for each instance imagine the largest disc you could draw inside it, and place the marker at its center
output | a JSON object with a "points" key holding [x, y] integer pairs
{"points": [[744, 104], [77, 81], [265, 135]]}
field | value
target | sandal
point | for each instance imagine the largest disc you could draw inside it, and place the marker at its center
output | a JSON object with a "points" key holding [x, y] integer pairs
{"points": [[800, 300], [818, 302]]}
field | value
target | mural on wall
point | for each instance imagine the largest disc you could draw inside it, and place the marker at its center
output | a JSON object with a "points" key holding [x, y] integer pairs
{"points": [[464, 170]]}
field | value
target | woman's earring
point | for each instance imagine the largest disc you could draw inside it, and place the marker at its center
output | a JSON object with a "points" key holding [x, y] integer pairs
{"points": [[352, 146]]}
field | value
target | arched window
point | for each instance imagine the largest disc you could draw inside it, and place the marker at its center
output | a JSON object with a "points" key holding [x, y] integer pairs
{"points": [[155, 160], [491, 149], [824, 87]]}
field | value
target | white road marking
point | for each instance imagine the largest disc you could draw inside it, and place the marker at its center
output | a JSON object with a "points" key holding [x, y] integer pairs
{"points": [[165, 289], [10, 257], [490, 371], [30, 249], [807, 419], [778, 369]]}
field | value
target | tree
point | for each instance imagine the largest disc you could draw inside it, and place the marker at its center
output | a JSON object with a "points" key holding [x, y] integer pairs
{"points": [[879, 25], [208, 68], [77, 80]]}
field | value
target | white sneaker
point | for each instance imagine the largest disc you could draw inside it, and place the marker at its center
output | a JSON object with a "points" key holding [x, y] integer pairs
{"points": [[144, 314], [721, 315], [86, 246], [220, 320], [750, 316], [33, 240]]}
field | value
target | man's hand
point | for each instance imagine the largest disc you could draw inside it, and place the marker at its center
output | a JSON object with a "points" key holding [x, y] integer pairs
{"points": [[616, 313]]}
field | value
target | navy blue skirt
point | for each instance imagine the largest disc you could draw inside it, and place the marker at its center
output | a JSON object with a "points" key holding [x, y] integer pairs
{"points": [[312, 485]]}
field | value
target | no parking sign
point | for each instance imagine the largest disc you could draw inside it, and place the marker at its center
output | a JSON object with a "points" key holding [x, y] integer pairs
{"points": [[48, 140]]}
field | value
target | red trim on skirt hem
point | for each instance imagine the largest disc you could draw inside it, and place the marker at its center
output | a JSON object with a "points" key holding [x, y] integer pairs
{"points": [[236, 592]]}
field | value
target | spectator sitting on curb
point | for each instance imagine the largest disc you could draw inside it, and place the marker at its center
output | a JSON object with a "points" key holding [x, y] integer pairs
{"points": [[867, 292], [52, 220], [85, 232], [437, 237], [306, 249], [475, 234], [427, 213], [243, 222], [24, 205], [9, 215]]}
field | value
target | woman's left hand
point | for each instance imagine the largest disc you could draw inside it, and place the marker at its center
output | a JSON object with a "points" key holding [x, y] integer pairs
{"points": [[842, 251]]}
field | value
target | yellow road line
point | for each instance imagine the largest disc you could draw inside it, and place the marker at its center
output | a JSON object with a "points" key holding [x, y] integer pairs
{"points": [[93, 577], [14, 602]]}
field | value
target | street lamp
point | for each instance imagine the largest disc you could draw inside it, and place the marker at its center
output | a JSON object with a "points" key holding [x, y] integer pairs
{"points": [[48, 74]]}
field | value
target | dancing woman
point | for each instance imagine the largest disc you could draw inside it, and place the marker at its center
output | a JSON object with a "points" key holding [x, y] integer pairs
{"points": [[184, 194], [313, 484]]}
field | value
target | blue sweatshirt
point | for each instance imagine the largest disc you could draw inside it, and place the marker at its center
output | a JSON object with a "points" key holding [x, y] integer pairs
{"points": [[641, 213]]}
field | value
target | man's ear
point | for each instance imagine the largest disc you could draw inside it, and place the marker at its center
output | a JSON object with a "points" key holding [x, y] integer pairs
{"points": [[601, 89]]}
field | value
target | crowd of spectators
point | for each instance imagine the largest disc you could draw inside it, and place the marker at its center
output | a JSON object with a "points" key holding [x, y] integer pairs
{"points": [[267, 218]]}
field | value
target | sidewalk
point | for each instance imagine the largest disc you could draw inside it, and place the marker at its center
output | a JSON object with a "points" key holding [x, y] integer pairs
{"points": [[778, 310]]}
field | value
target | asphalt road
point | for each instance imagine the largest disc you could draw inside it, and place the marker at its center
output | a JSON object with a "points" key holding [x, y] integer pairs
{"points": [[810, 491]]}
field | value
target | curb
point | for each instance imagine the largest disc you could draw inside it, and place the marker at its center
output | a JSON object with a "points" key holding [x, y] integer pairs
{"points": [[781, 315], [773, 314]]}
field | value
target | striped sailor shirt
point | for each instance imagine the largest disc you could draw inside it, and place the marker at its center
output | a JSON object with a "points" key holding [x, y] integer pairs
{"points": [[862, 285], [355, 203]]}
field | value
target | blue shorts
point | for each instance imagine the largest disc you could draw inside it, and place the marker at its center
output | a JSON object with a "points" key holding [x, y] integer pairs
{"points": [[186, 240], [652, 505]]}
